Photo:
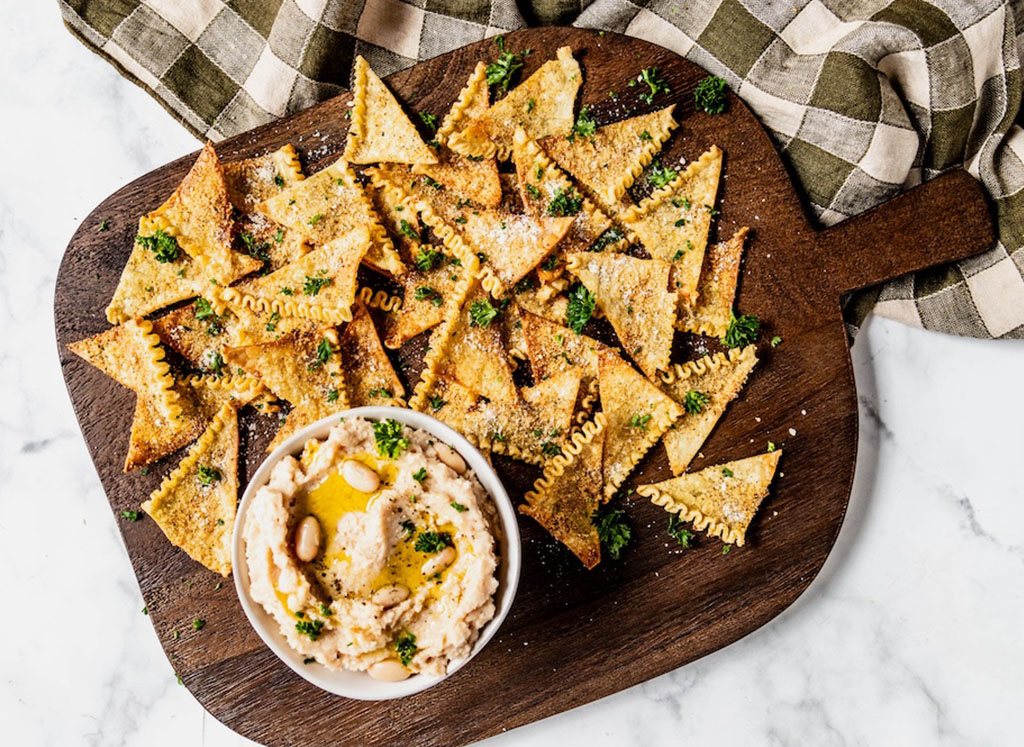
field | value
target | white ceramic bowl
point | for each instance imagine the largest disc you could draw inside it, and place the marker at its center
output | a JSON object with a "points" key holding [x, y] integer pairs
{"points": [[360, 685]]}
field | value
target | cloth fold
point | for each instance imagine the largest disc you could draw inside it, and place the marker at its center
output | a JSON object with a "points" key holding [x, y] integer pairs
{"points": [[864, 98]]}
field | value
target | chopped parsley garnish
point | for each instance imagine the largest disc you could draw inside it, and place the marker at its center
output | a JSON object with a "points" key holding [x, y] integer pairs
{"points": [[580, 308], [162, 244], [405, 647], [655, 84], [712, 211], [694, 402], [407, 230], [461, 219], [279, 236], [727, 472], [609, 237], [436, 403], [678, 255], [680, 223], [426, 293], [726, 549], [524, 285], [584, 126], [482, 313], [709, 95], [533, 191], [660, 175], [287, 291], [742, 330], [550, 263], [550, 449], [433, 183], [646, 136], [771, 446], [420, 475], [260, 251], [324, 351], [214, 363], [272, 322], [325, 610], [430, 120], [313, 285], [278, 180], [332, 395], [203, 309], [409, 527], [312, 628], [131, 515], [198, 623], [309, 660], [612, 529], [315, 219], [501, 70], [530, 104], [388, 436], [103, 226], [382, 392], [678, 532], [427, 258], [208, 475], [640, 421], [775, 341], [432, 542], [458, 506], [565, 202]]}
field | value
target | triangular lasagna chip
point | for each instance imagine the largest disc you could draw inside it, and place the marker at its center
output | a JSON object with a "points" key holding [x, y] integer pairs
{"points": [[716, 290], [633, 295], [195, 505], [545, 190], [638, 413], [704, 388], [380, 129], [540, 300], [369, 377], [253, 180], [320, 285], [673, 223], [511, 245], [608, 163], [131, 354], [303, 368], [721, 500], [565, 498], [542, 105], [329, 204]]}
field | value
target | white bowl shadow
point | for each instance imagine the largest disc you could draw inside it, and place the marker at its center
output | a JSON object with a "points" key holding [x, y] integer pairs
{"points": [[359, 685]]}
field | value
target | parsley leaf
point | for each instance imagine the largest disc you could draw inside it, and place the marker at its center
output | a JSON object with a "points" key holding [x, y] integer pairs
{"points": [[407, 230], [162, 244], [660, 175], [742, 330], [388, 436], [405, 647], [640, 421], [550, 449], [650, 76], [426, 293], [312, 628], [727, 472], [501, 70], [458, 506], [580, 308], [436, 403], [313, 285], [611, 236], [709, 95], [694, 402], [332, 395], [431, 542], [612, 529], [420, 475], [427, 258], [678, 532], [430, 120], [565, 203], [584, 126], [131, 515], [208, 475], [482, 313]]}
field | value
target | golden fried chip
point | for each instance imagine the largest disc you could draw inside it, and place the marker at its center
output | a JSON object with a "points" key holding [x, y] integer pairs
{"points": [[565, 498], [369, 377], [401, 223], [542, 105], [545, 300], [722, 499], [380, 130], [320, 285], [304, 368], [704, 388], [673, 223], [253, 180], [424, 293], [328, 205], [633, 295], [159, 274], [716, 289], [638, 414], [131, 354], [195, 505], [512, 245], [545, 190], [607, 163], [473, 100], [198, 216]]}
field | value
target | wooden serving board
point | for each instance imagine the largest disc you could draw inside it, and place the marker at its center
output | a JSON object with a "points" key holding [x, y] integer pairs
{"points": [[573, 636]]}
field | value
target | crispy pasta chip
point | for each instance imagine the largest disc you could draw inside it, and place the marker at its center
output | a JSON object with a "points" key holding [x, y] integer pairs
{"points": [[159, 274], [673, 223], [131, 354], [716, 289], [544, 300], [424, 296], [380, 129], [303, 368], [638, 413], [542, 105], [473, 100], [570, 491], [546, 190], [320, 285], [253, 180], [607, 163], [633, 295], [195, 505], [369, 376], [512, 245], [329, 204], [704, 388], [198, 216], [720, 500]]}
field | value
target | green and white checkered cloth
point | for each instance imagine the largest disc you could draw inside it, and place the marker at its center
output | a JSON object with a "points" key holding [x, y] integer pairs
{"points": [[864, 98]]}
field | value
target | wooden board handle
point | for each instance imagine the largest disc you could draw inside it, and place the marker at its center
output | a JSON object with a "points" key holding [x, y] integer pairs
{"points": [[941, 221]]}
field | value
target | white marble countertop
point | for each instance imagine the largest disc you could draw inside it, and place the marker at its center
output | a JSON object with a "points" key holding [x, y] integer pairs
{"points": [[910, 634]]}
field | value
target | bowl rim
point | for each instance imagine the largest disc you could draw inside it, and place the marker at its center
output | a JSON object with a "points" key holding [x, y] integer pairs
{"points": [[508, 572]]}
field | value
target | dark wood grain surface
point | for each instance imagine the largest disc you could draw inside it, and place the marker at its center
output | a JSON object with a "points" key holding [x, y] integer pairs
{"points": [[573, 636]]}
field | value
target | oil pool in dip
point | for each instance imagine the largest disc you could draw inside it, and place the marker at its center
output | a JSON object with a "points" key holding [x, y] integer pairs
{"points": [[375, 551]]}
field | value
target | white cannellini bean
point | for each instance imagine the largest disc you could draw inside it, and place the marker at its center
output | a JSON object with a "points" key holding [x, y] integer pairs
{"points": [[359, 476], [389, 596], [307, 539], [450, 457], [439, 562], [388, 670]]}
